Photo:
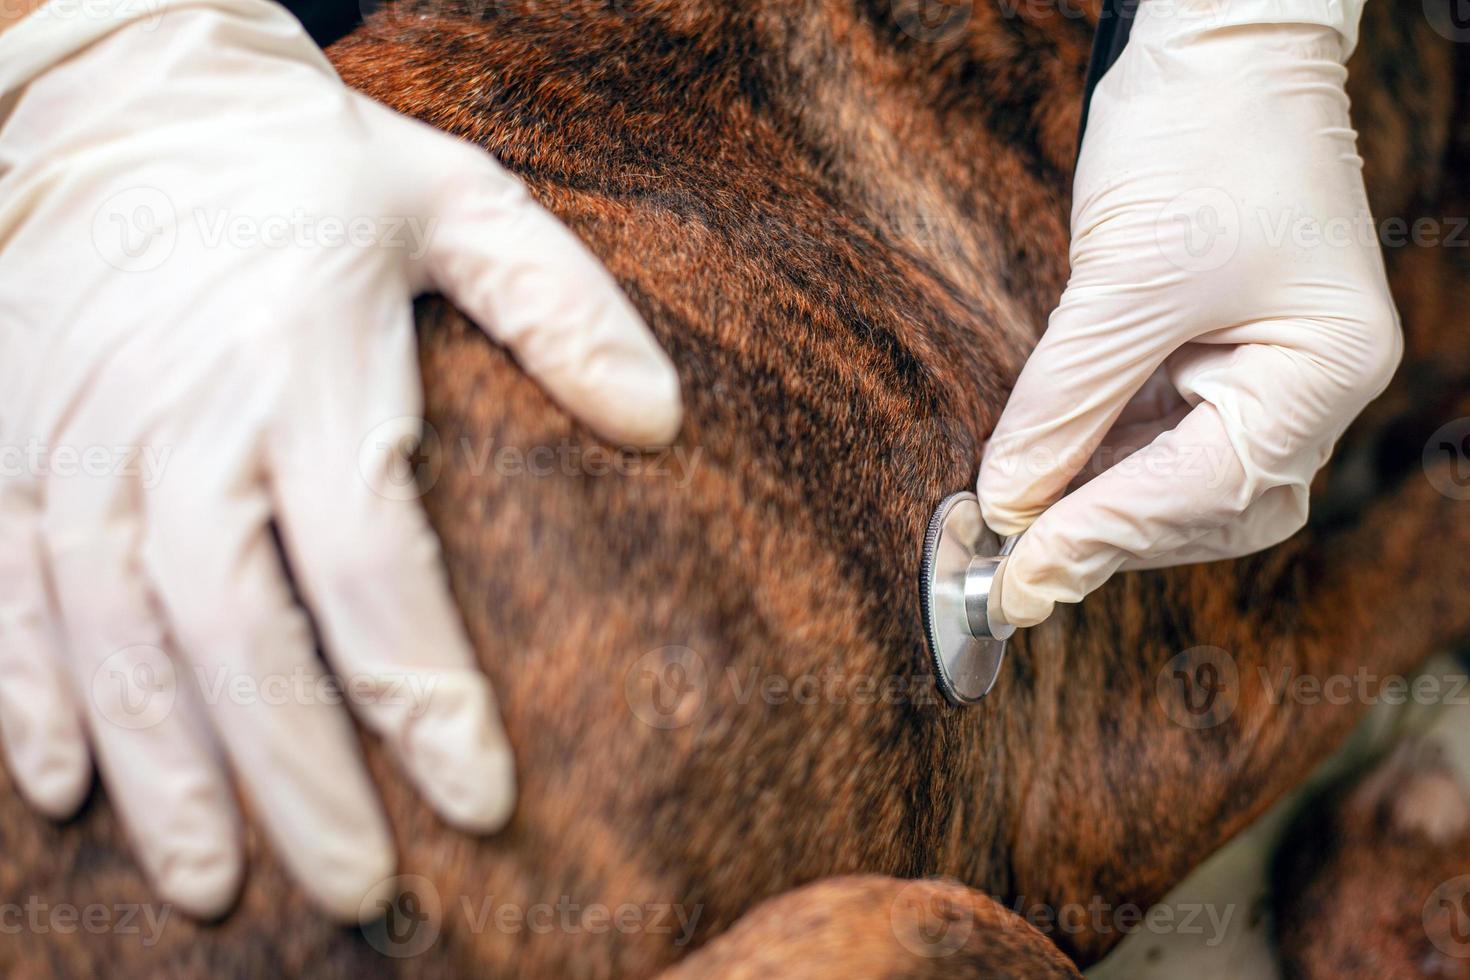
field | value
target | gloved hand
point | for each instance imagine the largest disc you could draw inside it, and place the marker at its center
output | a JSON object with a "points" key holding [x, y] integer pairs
{"points": [[209, 249], [1227, 313]]}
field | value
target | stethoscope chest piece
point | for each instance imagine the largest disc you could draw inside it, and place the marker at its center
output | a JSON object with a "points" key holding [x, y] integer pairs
{"points": [[961, 556]]}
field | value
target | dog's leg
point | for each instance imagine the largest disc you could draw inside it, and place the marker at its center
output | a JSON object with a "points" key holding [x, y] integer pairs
{"points": [[1379, 873], [872, 926]]}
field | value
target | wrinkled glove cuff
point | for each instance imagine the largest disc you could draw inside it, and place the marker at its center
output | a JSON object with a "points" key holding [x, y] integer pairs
{"points": [[1340, 15]]}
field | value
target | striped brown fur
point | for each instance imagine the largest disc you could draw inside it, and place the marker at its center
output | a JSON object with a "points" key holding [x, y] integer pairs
{"points": [[1373, 878]]}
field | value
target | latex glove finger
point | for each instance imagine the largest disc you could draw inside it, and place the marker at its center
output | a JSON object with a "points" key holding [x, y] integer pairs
{"points": [[154, 750], [288, 738], [1097, 353], [45, 745], [1120, 516], [1190, 482], [371, 569], [1154, 409], [533, 286]]}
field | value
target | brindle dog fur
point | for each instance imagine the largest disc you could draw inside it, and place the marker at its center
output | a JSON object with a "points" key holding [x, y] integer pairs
{"points": [[847, 222], [1373, 877]]}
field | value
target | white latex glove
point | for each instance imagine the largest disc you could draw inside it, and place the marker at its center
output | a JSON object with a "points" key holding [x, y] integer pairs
{"points": [[174, 196], [1227, 312]]}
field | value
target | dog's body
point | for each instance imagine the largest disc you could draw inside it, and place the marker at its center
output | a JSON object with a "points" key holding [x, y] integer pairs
{"points": [[846, 221]]}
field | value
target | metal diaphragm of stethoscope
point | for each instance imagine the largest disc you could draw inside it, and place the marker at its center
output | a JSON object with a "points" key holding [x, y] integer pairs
{"points": [[966, 638]]}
